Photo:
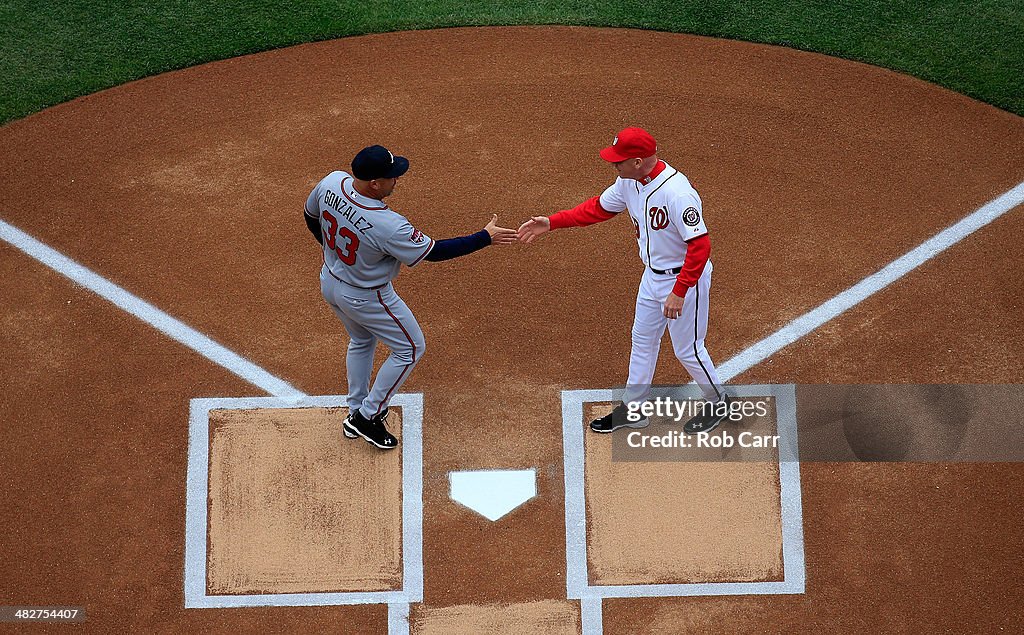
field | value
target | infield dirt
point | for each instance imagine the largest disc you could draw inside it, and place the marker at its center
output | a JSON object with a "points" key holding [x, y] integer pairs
{"points": [[187, 190]]}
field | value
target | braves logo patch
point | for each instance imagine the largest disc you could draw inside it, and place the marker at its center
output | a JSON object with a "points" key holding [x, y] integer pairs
{"points": [[659, 218], [417, 236], [691, 217]]}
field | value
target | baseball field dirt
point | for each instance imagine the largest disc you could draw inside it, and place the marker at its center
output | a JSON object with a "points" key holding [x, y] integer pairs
{"points": [[661, 522], [294, 509], [186, 189], [551, 617]]}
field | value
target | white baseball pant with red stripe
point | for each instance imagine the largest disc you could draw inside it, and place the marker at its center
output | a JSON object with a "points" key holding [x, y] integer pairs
{"points": [[369, 316], [687, 333]]}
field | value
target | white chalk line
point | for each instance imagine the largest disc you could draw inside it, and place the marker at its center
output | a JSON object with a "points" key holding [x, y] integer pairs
{"points": [[577, 577], [196, 521], [161, 321], [833, 308]]}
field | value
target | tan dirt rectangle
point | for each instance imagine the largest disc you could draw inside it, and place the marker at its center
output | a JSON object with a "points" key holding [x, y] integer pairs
{"points": [[295, 507], [678, 522], [547, 617]]}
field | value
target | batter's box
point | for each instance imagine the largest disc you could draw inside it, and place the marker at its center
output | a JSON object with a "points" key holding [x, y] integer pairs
{"points": [[283, 510], [687, 527]]}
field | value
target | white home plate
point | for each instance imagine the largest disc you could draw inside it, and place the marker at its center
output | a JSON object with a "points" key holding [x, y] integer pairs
{"points": [[493, 493]]}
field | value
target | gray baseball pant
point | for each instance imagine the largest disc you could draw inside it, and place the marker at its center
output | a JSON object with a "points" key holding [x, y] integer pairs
{"points": [[369, 316]]}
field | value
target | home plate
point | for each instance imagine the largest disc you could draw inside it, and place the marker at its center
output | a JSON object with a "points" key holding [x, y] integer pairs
{"points": [[492, 493]]}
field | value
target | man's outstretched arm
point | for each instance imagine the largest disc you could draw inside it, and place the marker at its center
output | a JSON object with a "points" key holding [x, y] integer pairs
{"points": [[464, 245], [586, 213]]}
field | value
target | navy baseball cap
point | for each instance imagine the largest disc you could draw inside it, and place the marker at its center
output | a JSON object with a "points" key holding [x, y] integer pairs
{"points": [[376, 162]]}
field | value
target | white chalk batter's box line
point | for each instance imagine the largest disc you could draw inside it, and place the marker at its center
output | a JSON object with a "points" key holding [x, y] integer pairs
{"points": [[577, 574], [412, 511]]}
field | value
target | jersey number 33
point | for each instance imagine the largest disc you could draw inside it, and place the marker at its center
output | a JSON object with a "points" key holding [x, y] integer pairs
{"points": [[346, 254]]}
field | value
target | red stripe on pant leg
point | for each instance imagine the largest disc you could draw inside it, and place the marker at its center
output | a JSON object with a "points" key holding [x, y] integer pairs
{"points": [[398, 381]]}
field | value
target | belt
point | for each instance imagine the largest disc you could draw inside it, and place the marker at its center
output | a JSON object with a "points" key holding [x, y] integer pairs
{"points": [[379, 286], [661, 272]]}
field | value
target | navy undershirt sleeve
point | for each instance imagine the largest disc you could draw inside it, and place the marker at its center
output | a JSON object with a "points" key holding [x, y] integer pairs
{"points": [[461, 246], [314, 227]]}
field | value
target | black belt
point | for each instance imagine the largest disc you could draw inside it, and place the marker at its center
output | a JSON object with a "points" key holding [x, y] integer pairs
{"points": [[379, 286], [666, 271]]}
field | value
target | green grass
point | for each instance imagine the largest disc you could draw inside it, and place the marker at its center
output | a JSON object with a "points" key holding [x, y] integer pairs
{"points": [[55, 50]]}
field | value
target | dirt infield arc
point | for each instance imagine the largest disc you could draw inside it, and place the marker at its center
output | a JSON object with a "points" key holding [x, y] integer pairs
{"points": [[186, 189]]}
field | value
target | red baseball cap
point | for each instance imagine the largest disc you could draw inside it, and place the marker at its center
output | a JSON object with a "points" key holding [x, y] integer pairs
{"points": [[631, 143]]}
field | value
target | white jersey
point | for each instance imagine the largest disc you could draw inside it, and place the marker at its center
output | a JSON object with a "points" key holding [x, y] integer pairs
{"points": [[666, 213], [365, 241]]}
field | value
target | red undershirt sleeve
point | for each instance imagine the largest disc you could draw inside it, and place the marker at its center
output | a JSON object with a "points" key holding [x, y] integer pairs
{"points": [[586, 213], [698, 251]]}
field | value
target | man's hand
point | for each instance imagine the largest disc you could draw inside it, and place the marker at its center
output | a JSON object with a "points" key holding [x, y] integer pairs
{"points": [[673, 306], [500, 235], [533, 228]]}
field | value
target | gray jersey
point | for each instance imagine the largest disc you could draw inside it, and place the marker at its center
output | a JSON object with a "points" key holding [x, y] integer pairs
{"points": [[365, 241]]}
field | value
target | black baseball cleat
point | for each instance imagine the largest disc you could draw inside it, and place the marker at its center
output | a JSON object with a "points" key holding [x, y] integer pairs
{"points": [[374, 430], [712, 415], [617, 418], [344, 428]]}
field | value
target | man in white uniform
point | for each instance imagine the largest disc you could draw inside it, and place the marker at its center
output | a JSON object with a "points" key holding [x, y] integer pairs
{"points": [[365, 243], [674, 246]]}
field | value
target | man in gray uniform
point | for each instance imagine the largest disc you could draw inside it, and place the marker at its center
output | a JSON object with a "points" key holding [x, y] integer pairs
{"points": [[365, 243]]}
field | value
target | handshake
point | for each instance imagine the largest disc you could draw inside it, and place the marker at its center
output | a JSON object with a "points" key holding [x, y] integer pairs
{"points": [[527, 232]]}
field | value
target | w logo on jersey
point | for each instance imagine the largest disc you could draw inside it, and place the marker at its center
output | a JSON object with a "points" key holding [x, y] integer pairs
{"points": [[659, 218]]}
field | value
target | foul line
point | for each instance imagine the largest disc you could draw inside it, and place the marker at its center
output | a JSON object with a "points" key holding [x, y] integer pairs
{"points": [[872, 284], [169, 326], [287, 396]]}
